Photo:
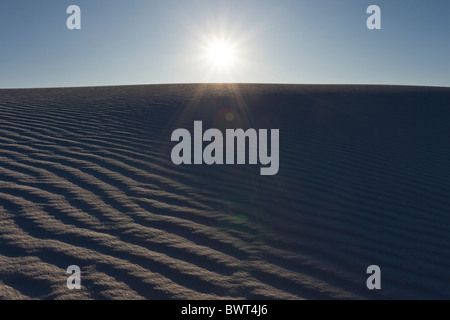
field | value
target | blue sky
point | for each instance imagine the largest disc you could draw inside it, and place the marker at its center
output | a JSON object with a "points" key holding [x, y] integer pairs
{"points": [[285, 41]]}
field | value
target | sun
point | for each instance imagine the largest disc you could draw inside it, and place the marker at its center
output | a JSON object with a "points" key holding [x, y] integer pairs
{"points": [[221, 54]]}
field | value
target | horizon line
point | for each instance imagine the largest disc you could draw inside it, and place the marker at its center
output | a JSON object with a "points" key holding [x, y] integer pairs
{"points": [[227, 83]]}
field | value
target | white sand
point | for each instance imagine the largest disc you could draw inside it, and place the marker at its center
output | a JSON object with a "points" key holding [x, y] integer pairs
{"points": [[86, 179]]}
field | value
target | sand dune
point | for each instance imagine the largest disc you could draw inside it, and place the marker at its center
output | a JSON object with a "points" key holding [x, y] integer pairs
{"points": [[86, 179]]}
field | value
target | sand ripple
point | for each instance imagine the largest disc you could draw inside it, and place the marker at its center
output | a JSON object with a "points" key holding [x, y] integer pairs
{"points": [[86, 179]]}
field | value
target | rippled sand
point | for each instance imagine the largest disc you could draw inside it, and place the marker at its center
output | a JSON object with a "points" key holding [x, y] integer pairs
{"points": [[86, 179]]}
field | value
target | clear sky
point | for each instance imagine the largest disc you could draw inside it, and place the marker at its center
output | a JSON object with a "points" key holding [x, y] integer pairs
{"points": [[264, 41]]}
